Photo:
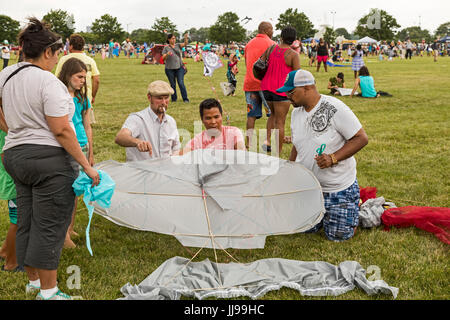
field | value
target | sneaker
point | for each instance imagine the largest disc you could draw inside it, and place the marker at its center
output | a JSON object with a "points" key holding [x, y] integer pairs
{"points": [[57, 296], [29, 288]]}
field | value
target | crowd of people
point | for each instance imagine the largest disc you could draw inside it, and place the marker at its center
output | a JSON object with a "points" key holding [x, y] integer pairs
{"points": [[43, 153]]}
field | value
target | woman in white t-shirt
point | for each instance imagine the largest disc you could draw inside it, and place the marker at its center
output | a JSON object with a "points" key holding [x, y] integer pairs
{"points": [[40, 154]]}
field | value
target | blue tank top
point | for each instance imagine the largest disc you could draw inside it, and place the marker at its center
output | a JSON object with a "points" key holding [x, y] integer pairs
{"points": [[367, 87]]}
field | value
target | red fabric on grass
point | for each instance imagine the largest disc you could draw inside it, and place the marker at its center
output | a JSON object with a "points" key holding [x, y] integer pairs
{"points": [[431, 219], [367, 193]]}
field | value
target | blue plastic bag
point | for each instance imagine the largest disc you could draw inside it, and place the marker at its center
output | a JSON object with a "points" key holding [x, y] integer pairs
{"points": [[102, 194]]}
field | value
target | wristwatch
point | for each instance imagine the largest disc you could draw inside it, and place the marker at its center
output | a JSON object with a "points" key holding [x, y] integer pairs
{"points": [[333, 159]]}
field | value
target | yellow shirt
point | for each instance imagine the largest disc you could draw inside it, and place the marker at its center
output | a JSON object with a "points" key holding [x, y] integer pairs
{"points": [[90, 63]]}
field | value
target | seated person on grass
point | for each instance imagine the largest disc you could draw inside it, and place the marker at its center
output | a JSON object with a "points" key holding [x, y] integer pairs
{"points": [[336, 82], [367, 85], [216, 136]]}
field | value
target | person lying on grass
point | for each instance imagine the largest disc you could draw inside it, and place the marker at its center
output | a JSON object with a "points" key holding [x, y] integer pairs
{"points": [[216, 136]]}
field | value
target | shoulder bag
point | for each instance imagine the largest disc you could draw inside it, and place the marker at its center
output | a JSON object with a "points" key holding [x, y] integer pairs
{"points": [[260, 66]]}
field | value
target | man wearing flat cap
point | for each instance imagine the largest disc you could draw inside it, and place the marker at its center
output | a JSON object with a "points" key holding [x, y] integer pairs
{"points": [[325, 136], [150, 133]]}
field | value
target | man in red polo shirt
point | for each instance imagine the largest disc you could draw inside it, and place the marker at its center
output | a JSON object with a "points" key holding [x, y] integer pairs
{"points": [[252, 86]]}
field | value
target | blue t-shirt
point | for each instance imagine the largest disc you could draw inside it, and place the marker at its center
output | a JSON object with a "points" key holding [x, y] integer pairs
{"points": [[367, 87], [77, 120]]}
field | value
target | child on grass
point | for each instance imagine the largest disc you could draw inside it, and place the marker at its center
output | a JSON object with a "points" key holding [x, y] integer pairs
{"points": [[232, 71]]}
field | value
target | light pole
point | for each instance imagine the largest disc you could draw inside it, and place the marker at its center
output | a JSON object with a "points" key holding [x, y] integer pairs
{"points": [[333, 13], [127, 29]]}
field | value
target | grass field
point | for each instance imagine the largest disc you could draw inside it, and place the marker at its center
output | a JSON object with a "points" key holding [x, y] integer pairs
{"points": [[407, 160]]}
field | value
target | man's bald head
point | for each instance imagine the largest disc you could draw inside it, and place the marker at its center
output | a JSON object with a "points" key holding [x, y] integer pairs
{"points": [[265, 28]]}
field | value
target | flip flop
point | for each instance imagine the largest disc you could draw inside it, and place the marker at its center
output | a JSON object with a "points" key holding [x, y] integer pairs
{"points": [[17, 269]]}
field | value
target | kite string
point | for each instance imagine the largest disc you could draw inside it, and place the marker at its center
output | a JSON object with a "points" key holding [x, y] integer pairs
{"points": [[185, 266], [255, 271], [217, 97]]}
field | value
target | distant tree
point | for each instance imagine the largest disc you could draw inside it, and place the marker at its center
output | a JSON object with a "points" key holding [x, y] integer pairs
{"points": [[106, 28], [200, 35], [298, 20], [251, 35], [442, 30], [329, 36], [140, 35], [89, 37], [227, 29], [161, 28], [61, 22], [9, 29], [416, 34], [342, 32], [378, 24]]}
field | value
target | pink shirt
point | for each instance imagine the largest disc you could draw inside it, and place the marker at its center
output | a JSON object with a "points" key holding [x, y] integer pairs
{"points": [[276, 72], [225, 141]]}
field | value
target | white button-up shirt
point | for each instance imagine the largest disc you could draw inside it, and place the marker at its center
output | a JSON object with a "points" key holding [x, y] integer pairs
{"points": [[163, 136]]}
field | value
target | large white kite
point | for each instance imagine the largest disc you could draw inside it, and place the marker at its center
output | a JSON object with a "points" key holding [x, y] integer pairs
{"points": [[215, 199]]}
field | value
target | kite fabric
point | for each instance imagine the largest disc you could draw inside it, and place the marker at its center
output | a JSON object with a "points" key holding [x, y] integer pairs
{"points": [[100, 194], [215, 198], [211, 62], [371, 210], [432, 219], [178, 277]]}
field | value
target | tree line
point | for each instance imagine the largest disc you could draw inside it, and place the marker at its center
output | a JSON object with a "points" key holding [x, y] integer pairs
{"points": [[378, 24]]}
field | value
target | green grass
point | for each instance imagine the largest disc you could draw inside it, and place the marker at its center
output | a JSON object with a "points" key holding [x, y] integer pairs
{"points": [[407, 160]]}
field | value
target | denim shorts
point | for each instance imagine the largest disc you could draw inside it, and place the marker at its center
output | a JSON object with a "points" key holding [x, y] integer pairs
{"points": [[342, 213], [255, 101]]}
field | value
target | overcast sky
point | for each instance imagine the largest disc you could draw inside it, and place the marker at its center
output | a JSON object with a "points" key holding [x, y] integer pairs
{"points": [[134, 14]]}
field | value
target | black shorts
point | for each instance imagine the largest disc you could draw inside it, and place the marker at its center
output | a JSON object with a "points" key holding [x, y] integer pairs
{"points": [[270, 96], [45, 199]]}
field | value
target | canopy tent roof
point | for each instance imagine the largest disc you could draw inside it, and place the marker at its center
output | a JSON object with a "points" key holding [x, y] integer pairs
{"points": [[444, 39], [205, 201], [367, 40]]}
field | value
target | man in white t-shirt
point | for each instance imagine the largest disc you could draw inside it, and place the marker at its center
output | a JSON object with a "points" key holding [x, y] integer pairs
{"points": [[325, 136], [151, 133]]}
